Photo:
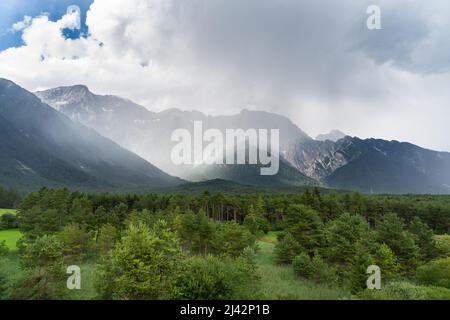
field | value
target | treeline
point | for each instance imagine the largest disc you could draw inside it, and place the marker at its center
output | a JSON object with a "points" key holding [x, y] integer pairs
{"points": [[98, 208], [9, 198], [203, 247]]}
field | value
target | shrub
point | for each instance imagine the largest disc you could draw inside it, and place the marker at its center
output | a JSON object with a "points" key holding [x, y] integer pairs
{"points": [[323, 273], [213, 278], [302, 265], [443, 245], [8, 221], [230, 238], [43, 261], [314, 269], [3, 249], [436, 272], [406, 291]]}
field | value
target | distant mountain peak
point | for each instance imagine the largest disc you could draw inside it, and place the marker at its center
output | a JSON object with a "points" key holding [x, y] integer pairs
{"points": [[79, 87], [333, 135]]}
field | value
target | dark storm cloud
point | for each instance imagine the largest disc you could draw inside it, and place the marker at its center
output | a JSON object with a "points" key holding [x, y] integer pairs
{"points": [[312, 60]]}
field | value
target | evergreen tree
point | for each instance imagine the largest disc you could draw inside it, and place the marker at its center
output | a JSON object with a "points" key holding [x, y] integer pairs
{"points": [[106, 239], [387, 261], [75, 242], [255, 221], [286, 248], [142, 265], [43, 261], [392, 231], [305, 226], [349, 245], [424, 238]]}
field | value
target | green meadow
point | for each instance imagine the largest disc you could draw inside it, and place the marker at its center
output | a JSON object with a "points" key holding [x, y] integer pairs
{"points": [[280, 281], [3, 211], [10, 237]]}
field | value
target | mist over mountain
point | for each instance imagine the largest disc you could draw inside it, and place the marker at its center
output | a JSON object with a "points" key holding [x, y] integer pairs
{"points": [[249, 174], [332, 160], [40, 146], [148, 134]]}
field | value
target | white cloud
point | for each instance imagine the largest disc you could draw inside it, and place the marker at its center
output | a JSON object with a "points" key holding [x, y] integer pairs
{"points": [[72, 19], [315, 62], [20, 25]]}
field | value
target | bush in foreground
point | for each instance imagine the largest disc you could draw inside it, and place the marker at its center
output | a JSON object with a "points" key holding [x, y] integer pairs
{"points": [[314, 269], [406, 291], [436, 272], [142, 264], [212, 278]]}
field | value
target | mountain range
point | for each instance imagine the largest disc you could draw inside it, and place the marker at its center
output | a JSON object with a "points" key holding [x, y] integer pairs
{"points": [[82, 129], [332, 160]]}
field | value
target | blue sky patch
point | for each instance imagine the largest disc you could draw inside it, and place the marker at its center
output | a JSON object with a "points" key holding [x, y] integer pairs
{"points": [[12, 11]]}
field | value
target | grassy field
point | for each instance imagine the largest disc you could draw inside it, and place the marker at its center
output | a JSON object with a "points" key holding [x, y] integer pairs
{"points": [[280, 282], [10, 237], [3, 211], [270, 237]]}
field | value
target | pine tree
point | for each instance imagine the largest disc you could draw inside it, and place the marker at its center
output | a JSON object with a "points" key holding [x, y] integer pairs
{"points": [[286, 249], [142, 265], [392, 231], [304, 224], [387, 261], [424, 238]]}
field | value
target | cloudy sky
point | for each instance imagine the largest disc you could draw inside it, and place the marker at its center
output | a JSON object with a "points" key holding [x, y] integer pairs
{"points": [[314, 61]]}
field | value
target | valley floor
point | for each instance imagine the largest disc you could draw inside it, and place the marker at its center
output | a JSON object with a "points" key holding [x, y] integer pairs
{"points": [[280, 282]]}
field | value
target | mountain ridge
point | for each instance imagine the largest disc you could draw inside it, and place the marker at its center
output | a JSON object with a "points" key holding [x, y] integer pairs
{"points": [[347, 163]]}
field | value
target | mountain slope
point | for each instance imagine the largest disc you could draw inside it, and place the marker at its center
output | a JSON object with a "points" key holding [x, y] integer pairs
{"points": [[373, 165], [40, 146], [381, 166]]}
